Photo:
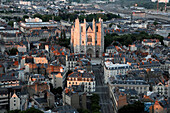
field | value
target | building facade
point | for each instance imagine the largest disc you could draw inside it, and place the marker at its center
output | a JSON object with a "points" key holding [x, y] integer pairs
{"points": [[111, 70], [14, 102], [81, 77], [74, 99], [139, 85], [88, 38]]}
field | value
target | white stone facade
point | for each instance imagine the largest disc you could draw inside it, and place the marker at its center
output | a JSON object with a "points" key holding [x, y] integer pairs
{"points": [[111, 70]]}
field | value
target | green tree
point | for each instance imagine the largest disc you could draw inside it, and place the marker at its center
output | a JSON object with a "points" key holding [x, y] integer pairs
{"points": [[11, 23], [25, 16], [64, 34], [83, 110], [137, 107], [95, 103], [130, 38], [155, 23], [38, 15], [13, 51], [44, 39], [30, 110], [33, 110], [14, 111], [57, 91]]}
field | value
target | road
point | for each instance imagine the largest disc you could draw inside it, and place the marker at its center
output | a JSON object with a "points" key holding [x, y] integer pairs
{"points": [[12, 15], [103, 91]]}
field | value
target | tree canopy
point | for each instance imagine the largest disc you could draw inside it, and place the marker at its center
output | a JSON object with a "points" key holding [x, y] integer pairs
{"points": [[137, 107], [30, 110], [73, 16], [95, 108], [11, 23], [130, 38], [13, 51]]}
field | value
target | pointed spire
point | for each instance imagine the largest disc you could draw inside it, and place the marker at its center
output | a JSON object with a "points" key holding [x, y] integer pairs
{"points": [[84, 20], [100, 19], [93, 21]]}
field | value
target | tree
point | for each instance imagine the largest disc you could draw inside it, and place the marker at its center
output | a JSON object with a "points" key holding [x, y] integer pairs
{"points": [[14, 111], [95, 103], [57, 91], [44, 27], [13, 51], [33, 110], [64, 34], [43, 39], [11, 23], [129, 38], [25, 16], [83, 111], [137, 107], [30, 110], [155, 23]]}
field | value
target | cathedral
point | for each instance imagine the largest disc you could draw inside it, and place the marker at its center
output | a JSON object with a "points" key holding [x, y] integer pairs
{"points": [[88, 38]]}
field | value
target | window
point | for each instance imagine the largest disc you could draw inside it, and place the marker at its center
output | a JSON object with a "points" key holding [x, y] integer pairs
{"points": [[81, 29], [97, 28], [14, 104], [89, 39], [82, 42]]}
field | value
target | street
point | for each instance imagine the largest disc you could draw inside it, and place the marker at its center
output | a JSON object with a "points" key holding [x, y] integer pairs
{"points": [[103, 91]]}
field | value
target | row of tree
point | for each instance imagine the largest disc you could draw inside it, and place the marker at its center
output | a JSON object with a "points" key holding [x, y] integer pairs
{"points": [[137, 107], [30, 110], [95, 108], [129, 38], [73, 16], [12, 51]]}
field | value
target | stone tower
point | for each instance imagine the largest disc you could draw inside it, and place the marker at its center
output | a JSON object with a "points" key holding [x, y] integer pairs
{"points": [[88, 38]]}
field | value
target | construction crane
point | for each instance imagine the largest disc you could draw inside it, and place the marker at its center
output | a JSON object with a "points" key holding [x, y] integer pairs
{"points": [[165, 4], [157, 6]]}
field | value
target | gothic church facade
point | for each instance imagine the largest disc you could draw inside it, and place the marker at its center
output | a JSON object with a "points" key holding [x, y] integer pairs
{"points": [[88, 38]]}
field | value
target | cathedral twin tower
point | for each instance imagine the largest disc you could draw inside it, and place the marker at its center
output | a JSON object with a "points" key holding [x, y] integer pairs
{"points": [[88, 38]]}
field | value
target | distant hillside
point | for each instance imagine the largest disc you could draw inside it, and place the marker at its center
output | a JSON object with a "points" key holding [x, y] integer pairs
{"points": [[79, 1], [141, 3]]}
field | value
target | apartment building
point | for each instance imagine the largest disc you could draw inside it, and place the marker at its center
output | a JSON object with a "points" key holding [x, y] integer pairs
{"points": [[111, 70], [81, 77]]}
